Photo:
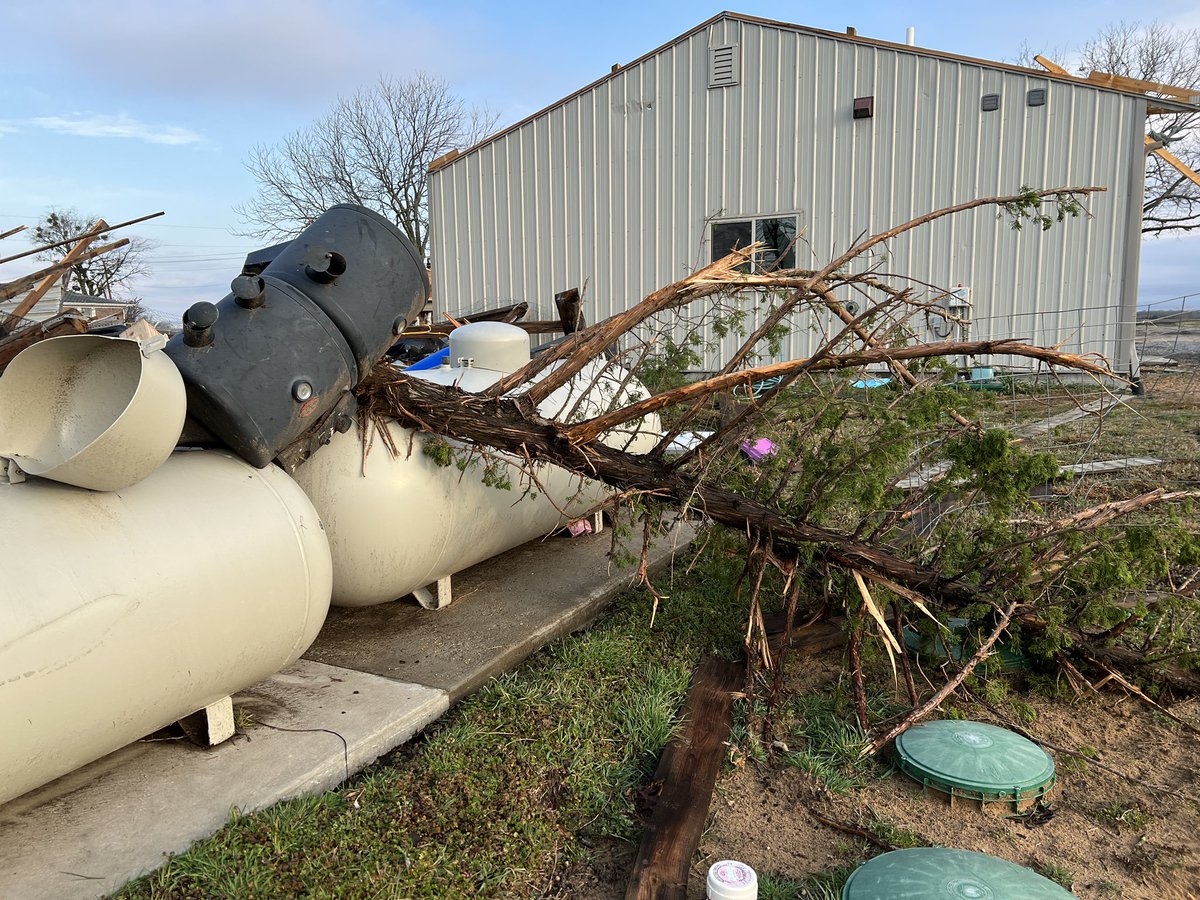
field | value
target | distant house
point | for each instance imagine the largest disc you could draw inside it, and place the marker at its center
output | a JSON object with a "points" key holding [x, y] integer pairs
{"points": [[47, 307], [97, 307], [747, 129]]}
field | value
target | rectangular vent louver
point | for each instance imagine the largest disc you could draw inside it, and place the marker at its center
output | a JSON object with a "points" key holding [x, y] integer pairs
{"points": [[724, 69]]}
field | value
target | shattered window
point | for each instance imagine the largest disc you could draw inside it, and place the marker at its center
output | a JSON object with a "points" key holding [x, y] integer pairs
{"points": [[728, 236], [776, 233]]}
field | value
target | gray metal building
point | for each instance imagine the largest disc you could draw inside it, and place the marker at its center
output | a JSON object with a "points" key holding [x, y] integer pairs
{"points": [[745, 127]]}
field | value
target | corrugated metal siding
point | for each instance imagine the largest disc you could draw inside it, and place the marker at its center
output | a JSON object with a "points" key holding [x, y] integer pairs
{"points": [[615, 188]]}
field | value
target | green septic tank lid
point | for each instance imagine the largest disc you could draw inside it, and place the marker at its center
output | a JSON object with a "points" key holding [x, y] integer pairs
{"points": [[950, 646], [972, 759], [938, 873]]}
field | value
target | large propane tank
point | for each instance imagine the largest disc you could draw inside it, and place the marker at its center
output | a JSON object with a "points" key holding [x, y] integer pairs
{"points": [[398, 523], [122, 612]]}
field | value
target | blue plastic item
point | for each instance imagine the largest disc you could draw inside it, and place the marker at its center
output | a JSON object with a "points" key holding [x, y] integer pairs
{"points": [[432, 361], [871, 383]]}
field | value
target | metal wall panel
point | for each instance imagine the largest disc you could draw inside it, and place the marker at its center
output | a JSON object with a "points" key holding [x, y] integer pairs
{"points": [[615, 188]]}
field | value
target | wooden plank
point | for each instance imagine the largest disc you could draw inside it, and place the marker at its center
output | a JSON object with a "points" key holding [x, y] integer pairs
{"points": [[13, 231], [25, 282], [542, 326], [687, 774], [42, 249], [1173, 160], [72, 257], [1051, 66], [1137, 85], [67, 323]]}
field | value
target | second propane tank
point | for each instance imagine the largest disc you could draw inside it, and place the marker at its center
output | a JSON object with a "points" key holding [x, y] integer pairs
{"points": [[398, 523]]}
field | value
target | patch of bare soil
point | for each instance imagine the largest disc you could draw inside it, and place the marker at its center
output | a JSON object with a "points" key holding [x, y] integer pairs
{"points": [[1110, 837]]}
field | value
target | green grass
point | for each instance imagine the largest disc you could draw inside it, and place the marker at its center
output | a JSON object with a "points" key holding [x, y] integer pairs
{"points": [[1118, 815], [820, 886], [1057, 873], [491, 801], [827, 739]]}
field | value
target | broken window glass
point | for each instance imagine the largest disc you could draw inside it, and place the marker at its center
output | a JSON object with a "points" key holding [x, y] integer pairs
{"points": [[778, 235], [728, 236]]}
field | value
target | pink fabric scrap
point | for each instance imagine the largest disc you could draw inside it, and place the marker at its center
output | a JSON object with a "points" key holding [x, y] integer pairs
{"points": [[580, 526], [759, 449]]}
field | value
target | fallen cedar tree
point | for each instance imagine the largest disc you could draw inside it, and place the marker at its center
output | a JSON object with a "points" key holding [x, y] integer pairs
{"points": [[879, 551]]}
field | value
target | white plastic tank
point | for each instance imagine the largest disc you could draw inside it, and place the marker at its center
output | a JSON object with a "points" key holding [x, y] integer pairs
{"points": [[122, 612], [399, 523], [94, 411]]}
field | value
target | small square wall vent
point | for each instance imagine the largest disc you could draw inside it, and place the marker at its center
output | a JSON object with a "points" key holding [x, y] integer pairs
{"points": [[990, 102], [1036, 97], [724, 69], [864, 107]]}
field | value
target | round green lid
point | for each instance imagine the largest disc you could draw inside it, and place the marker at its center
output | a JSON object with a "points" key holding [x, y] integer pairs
{"points": [[938, 873], [949, 645], [974, 759]]}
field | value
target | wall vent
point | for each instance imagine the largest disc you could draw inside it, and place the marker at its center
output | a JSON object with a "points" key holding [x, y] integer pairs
{"points": [[724, 67], [1036, 97], [990, 102]]}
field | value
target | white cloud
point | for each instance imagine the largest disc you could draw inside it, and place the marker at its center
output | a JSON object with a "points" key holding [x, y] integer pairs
{"points": [[295, 52], [8, 127], [118, 126]]}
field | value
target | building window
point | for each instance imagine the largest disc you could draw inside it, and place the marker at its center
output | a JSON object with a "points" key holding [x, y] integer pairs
{"points": [[777, 233]]}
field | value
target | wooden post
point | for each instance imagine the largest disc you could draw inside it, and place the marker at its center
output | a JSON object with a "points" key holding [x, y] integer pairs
{"points": [[687, 772], [570, 310]]}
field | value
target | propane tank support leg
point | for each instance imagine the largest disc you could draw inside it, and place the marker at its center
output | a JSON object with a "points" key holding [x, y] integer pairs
{"points": [[598, 521], [441, 599], [211, 725]]}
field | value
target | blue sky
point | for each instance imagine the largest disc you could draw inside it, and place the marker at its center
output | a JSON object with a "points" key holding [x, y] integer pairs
{"points": [[131, 106]]}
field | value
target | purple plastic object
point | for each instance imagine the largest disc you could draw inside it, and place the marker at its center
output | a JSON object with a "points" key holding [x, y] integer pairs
{"points": [[578, 527], [759, 449]]}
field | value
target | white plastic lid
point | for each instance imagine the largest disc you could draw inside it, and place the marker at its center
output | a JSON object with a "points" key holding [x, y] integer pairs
{"points": [[732, 880]]}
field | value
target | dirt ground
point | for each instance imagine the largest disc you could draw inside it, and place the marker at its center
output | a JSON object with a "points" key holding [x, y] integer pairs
{"points": [[1116, 839], [1107, 836], [761, 817]]}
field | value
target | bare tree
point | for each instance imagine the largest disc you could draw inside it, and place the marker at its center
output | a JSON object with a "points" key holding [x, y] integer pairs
{"points": [[106, 275], [373, 148], [1163, 54]]}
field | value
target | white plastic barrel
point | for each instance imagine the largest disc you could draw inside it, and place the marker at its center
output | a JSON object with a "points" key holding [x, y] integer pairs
{"points": [[122, 612]]}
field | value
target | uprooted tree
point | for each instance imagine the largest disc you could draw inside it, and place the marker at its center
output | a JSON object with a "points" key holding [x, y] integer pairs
{"points": [[831, 525]]}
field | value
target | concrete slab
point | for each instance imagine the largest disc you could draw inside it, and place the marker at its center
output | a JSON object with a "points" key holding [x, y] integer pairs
{"points": [[89, 832], [374, 678], [503, 610], [1113, 465]]}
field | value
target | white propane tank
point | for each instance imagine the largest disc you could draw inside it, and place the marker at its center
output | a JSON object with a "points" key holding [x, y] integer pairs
{"points": [[400, 523], [122, 612]]}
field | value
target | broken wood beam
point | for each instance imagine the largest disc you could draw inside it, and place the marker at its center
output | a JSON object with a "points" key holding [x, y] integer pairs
{"points": [[70, 322], [72, 256], [12, 231], [42, 249], [570, 310], [687, 774], [25, 282], [542, 326]]}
